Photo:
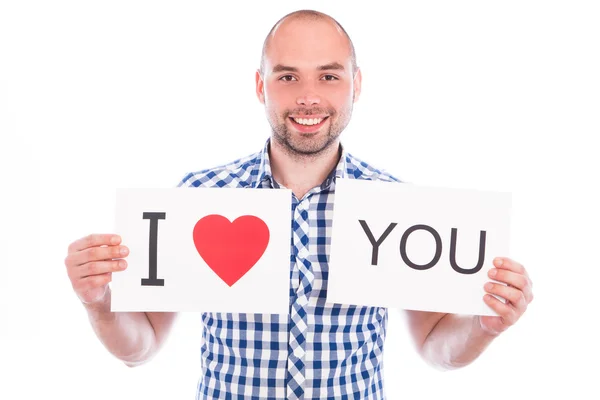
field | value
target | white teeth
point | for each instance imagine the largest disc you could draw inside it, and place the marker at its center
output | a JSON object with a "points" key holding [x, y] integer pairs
{"points": [[308, 121]]}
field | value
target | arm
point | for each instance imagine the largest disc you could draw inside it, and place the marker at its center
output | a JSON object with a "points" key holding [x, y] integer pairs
{"points": [[132, 337], [449, 341]]}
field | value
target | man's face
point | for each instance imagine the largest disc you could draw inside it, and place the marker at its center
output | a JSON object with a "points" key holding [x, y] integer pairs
{"points": [[308, 87]]}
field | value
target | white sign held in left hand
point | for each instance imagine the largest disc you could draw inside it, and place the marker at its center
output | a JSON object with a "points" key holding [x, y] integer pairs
{"points": [[415, 247]]}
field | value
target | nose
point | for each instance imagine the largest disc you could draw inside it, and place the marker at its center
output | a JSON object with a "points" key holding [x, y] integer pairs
{"points": [[308, 99]]}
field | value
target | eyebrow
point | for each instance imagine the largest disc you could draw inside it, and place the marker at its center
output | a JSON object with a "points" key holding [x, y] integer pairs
{"points": [[326, 67], [333, 65]]}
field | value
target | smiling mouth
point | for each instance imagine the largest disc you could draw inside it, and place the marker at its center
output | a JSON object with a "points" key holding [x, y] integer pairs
{"points": [[308, 125], [308, 121]]}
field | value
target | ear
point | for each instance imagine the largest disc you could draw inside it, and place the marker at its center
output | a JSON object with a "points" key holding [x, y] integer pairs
{"points": [[260, 87], [357, 84]]}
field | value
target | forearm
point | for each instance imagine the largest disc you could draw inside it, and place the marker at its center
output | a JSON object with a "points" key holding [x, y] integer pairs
{"points": [[456, 341], [129, 336]]}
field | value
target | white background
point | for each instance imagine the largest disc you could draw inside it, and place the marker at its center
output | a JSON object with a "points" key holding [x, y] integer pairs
{"points": [[474, 94]]}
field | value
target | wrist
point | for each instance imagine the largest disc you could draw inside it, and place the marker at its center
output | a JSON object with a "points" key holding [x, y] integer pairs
{"points": [[480, 330], [99, 306]]}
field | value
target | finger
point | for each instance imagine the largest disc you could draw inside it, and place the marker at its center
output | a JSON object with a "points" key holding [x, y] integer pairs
{"points": [[94, 240], [92, 282], [519, 281], [513, 295], [508, 264], [504, 311], [99, 268], [96, 254]]}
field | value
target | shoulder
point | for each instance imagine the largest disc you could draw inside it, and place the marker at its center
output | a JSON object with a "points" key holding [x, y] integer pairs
{"points": [[235, 174], [356, 168]]}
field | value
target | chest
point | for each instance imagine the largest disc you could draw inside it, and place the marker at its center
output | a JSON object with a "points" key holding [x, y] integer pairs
{"points": [[311, 228]]}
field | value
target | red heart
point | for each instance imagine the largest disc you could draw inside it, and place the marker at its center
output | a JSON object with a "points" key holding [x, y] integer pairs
{"points": [[231, 249]]}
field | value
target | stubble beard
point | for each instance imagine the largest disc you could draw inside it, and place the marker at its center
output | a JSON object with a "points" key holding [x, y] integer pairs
{"points": [[309, 146]]}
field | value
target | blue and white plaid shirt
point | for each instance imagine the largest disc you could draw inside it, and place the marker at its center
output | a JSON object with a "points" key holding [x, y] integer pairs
{"points": [[318, 351]]}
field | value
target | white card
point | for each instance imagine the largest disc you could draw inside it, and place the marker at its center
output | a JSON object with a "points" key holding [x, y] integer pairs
{"points": [[216, 250], [415, 273]]}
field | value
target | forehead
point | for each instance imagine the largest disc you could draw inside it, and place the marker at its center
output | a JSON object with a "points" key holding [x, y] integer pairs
{"points": [[305, 43]]}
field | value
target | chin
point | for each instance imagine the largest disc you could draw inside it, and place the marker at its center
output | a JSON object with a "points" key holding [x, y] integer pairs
{"points": [[300, 143], [310, 146]]}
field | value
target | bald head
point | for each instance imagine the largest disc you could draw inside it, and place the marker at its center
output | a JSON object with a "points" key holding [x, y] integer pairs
{"points": [[306, 16]]}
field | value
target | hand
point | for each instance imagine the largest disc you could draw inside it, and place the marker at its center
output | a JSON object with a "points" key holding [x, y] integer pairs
{"points": [[518, 294], [90, 263]]}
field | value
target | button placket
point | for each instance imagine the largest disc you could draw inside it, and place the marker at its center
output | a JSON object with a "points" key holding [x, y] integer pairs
{"points": [[298, 312]]}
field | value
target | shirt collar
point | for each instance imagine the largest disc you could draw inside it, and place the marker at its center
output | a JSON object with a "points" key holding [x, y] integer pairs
{"points": [[264, 168]]}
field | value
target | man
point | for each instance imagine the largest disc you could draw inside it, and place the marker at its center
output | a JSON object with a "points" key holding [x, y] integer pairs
{"points": [[308, 81]]}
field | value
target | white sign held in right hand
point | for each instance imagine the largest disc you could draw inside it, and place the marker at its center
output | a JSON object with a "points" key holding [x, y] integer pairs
{"points": [[414, 247]]}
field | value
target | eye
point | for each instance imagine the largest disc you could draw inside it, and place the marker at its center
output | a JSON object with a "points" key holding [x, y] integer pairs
{"points": [[330, 78], [287, 78]]}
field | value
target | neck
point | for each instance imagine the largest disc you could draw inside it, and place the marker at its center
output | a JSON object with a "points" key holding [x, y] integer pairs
{"points": [[299, 172]]}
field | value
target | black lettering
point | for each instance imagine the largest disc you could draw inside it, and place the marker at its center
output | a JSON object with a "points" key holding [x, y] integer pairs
{"points": [[438, 247], [453, 253], [376, 243], [152, 280]]}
